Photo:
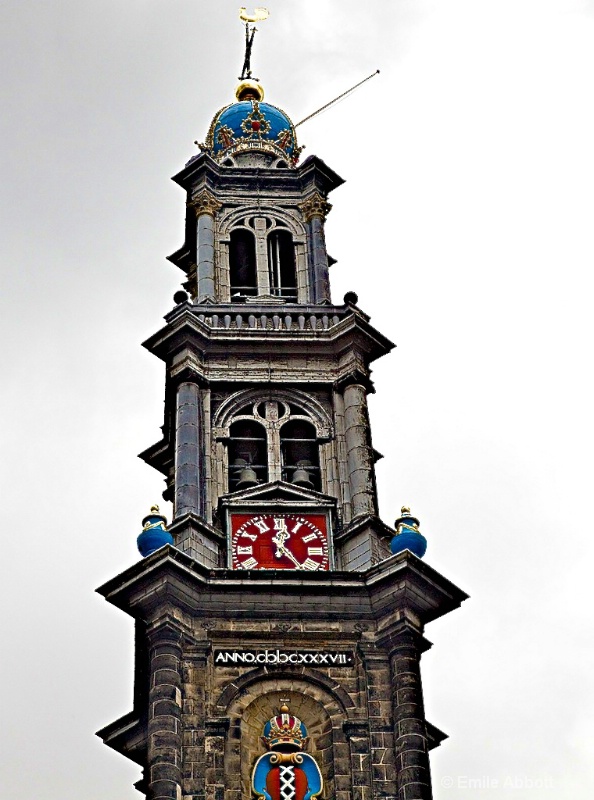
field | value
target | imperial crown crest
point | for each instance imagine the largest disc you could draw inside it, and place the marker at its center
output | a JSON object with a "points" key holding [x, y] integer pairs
{"points": [[285, 731], [286, 773]]}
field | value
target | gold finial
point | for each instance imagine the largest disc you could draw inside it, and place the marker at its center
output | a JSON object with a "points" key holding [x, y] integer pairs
{"points": [[155, 509], [250, 90], [404, 510], [258, 15], [284, 709]]}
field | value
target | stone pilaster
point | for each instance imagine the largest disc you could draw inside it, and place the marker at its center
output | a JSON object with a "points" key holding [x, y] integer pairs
{"points": [[216, 736], [194, 709], [357, 734], [410, 727], [381, 731], [164, 713], [189, 484]]}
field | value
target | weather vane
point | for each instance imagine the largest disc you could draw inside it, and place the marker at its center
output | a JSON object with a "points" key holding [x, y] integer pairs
{"points": [[258, 15]]}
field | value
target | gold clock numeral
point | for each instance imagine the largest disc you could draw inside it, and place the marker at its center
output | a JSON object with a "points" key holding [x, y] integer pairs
{"points": [[310, 537], [244, 551], [315, 551], [309, 564], [297, 526], [251, 536], [249, 564]]}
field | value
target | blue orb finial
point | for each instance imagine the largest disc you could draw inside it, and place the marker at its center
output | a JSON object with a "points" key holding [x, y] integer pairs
{"points": [[154, 534], [408, 536]]}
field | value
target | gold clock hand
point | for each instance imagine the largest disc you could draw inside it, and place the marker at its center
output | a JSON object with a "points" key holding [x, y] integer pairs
{"points": [[289, 555], [279, 540]]}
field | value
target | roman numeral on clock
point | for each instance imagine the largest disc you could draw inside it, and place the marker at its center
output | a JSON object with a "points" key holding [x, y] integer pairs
{"points": [[310, 537], [309, 564], [250, 563], [244, 551], [315, 551]]}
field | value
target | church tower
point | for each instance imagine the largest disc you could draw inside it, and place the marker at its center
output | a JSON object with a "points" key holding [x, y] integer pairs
{"points": [[279, 621]]}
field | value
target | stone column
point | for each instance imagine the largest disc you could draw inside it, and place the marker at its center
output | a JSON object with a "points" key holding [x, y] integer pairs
{"points": [[315, 210], [206, 206], [410, 729], [164, 714], [188, 451], [359, 453]]}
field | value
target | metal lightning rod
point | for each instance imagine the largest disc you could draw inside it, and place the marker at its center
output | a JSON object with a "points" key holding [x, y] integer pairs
{"points": [[336, 99]]}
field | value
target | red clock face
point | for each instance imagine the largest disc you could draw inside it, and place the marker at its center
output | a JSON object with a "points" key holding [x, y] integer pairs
{"points": [[279, 541]]}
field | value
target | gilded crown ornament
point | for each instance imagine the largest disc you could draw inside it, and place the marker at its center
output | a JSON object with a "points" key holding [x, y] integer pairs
{"points": [[285, 731]]}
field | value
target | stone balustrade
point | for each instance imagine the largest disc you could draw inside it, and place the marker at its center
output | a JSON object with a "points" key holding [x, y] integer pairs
{"points": [[294, 321]]}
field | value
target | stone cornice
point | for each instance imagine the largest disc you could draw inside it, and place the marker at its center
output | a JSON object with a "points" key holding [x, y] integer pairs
{"points": [[397, 589]]}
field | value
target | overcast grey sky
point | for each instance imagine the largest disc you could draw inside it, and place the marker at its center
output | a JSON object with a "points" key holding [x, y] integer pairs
{"points": [[465, 227]]}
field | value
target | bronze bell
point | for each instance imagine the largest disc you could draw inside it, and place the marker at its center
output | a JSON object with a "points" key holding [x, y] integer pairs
{"points": [[301, 477], [247, 476]]}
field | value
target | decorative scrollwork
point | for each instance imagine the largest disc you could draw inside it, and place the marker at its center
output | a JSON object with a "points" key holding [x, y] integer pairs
{"points": [[205, 203], [316, 205]]}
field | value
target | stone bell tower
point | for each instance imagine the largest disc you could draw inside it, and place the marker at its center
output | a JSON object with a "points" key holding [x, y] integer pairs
{"points": [[278, 611]]}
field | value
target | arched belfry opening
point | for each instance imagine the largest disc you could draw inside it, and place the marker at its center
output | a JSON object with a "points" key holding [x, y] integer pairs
{"points": [[281, 265], [248, 459], [300, 454], [242, 263]]}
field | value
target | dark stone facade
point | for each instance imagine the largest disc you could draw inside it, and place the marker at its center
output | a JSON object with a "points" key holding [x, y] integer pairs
{"points": [[197, 725]]}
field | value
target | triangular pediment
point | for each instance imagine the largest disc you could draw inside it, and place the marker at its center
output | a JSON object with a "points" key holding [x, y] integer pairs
{"points": [[277, 491]]}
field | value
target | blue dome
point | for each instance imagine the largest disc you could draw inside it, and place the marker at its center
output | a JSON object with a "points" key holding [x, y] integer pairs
{"points": [[250, 125]]}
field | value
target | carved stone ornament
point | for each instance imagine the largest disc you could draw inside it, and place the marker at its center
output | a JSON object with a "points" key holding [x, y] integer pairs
{"points": [[205, 203], [316, 205]]}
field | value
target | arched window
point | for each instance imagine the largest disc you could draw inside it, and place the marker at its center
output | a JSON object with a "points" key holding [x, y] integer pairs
{"points": [[242, 263], [299, 454], [281, 265], [273, 440], [248, 462]]}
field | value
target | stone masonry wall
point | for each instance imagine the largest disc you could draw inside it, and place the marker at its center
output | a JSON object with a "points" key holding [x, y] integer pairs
{"points": [[347, 710]]}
